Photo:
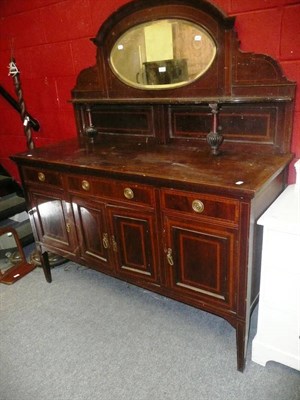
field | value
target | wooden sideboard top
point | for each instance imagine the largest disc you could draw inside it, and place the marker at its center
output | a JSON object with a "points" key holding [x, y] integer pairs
{"points": [[235, 174]]}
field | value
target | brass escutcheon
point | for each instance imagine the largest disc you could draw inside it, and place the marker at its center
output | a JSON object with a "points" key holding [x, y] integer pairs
{"points": [[170, 257], [41, 177], [85, 185], [128, 193], [114, 244], [105, 240], [198, 206]]}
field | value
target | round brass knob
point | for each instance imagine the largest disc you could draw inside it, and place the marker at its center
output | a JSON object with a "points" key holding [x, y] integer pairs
{"points": [[128, 193], [41, 177], [85, 185], [198, 206]]}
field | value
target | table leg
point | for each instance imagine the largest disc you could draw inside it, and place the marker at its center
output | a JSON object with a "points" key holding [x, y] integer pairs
{"points": [[46, 266]]}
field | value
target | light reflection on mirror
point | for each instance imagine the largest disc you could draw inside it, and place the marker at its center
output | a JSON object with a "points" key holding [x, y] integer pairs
{"points": [[162, 54], [9, 254], [13, 263]]}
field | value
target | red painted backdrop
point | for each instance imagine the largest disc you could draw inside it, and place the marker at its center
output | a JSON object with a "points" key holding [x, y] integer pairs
{"points": [[50, 42]]}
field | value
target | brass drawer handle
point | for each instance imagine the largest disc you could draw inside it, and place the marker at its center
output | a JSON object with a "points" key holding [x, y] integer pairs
{"points": [[128, 193], [198, 206], [41, 177], [85, 185], [68, 227]]}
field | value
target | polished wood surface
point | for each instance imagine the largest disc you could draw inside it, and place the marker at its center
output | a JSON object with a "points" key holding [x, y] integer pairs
{"points": [[240, 174]]}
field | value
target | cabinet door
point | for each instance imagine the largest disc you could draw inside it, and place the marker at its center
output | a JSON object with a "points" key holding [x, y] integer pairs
{"points": [[134, 243], [53, 220], [200, 259], [92, 232]]}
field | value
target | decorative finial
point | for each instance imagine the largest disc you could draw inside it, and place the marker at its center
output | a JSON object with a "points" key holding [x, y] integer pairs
{"points": [[90, 131], [13, 69]]}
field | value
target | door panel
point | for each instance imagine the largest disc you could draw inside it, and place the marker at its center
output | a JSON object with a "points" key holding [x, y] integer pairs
{"points": [[200, 260], [134, 243], [53, 220], [92, 231]]}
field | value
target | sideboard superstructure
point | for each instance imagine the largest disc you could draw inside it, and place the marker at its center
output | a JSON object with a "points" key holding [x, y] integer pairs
{"points": [[139, 195]]}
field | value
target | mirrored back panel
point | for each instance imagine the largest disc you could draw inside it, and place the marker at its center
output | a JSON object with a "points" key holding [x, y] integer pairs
{"points": [[172, 72]]}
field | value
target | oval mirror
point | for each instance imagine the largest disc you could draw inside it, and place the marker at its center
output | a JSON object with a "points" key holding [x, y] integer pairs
{"points": [[162, 54]]}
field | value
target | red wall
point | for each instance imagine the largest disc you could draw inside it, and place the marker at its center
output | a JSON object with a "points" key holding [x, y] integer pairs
{"points": [[50, 42]]}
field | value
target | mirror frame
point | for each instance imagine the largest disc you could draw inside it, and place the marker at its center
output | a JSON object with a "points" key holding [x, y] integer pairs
{"points": [[200, 13], [234, 74], [22, 268]]}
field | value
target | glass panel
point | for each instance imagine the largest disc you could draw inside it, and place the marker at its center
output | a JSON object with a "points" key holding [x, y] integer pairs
{"points": [[162, 54]]}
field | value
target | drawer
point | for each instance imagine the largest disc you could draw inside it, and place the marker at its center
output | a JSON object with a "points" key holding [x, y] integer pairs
{"points": [[201, 205], [135, 193], [112, 190], [43, 176]]}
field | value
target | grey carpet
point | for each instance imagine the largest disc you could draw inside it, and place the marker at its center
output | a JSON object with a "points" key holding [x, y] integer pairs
{"points": [[87, 336]]}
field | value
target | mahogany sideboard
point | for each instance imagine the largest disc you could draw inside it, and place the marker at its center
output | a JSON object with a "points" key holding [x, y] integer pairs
{"points": [[174, 161]]}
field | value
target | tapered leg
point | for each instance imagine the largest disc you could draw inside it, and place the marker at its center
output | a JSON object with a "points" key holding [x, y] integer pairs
{"points": [[241, 344], [46, 266]]}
